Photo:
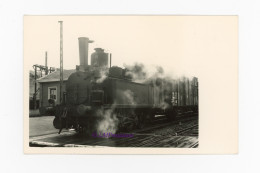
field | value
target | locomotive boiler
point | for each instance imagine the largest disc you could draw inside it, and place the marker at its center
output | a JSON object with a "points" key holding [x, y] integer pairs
{"points": [[99, 97]]}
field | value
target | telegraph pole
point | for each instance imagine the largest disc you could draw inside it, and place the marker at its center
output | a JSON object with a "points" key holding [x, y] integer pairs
{"points": [[35, 87], [178, 92], [46, 64], [61, 60], [188, 91], [110, 59]]}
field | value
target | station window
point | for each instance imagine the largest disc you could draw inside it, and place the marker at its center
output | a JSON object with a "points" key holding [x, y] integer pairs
{"points": [[52, 93]]}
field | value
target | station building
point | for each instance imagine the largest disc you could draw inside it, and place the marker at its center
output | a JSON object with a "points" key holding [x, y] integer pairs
{"points": [[50, 87]]}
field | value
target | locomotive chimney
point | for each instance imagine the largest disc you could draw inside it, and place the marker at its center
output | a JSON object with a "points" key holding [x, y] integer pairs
{"points": [[110, 59], [83, 51]]}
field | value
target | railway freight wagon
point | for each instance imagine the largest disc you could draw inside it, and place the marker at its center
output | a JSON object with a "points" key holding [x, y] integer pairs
{"points": [[95, 92], [185, 94]]}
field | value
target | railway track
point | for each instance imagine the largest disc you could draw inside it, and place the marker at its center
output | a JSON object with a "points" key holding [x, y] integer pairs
{"points": [[162, 135], [182, 133], [168, 127], [162, 123], [189, 131]]}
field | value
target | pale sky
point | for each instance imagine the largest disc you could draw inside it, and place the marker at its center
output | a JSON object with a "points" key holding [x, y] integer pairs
{"points": [[182, 45]]}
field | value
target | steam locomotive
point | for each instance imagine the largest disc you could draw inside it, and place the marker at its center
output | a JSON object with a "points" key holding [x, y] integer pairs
{"points": [[102, 98]]}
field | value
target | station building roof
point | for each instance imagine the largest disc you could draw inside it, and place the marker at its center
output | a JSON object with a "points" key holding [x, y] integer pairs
{"points": [[55, 76]]}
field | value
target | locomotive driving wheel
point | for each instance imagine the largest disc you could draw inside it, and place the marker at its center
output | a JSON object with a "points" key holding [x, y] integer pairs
{"points": [[56, 123]]}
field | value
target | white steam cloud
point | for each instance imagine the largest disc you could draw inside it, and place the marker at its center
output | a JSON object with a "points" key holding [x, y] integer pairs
{"points": [[103, 73], [107, 121]]}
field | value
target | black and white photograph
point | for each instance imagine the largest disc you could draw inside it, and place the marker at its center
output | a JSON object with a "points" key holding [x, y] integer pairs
{"points": [[101, 102], [120, 81]]}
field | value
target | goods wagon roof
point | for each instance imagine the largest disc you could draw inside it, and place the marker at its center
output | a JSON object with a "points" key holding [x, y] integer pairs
{"points": [[55, 76]]}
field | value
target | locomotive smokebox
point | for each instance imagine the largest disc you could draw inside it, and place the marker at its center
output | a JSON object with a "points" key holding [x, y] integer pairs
{"points": [[83, 51], [99, 58]]}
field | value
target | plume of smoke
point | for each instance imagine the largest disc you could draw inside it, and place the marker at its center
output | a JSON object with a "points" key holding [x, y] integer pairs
{"points": [[156, 77], [139, 73], [136, 72], [107, 121], [102, 74]]}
